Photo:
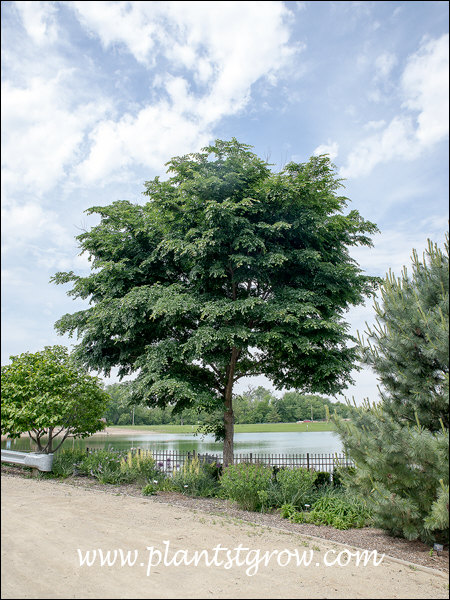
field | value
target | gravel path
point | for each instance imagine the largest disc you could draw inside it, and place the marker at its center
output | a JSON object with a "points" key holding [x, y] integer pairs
{"points": [[369, 538], [48, 526]]}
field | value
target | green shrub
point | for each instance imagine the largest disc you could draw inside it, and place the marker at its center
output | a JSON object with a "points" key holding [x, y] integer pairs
{"points": [[214, 469], [103, 465], [65, 462], [340, 511], [116, 468], [287, 510], [265, 500], [294, 486], [401, 444], [243, 483], [108, 466], [149, 489], [341, 475], [194, 478], [322, 478], [299, 517], [139, 467]]}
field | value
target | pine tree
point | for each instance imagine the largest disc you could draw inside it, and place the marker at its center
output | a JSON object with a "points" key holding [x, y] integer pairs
{"points": [[408, 346], [400, 445]]}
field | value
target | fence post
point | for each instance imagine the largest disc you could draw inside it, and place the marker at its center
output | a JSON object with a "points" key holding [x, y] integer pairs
{"points": [[251, 456], [307, 460]]}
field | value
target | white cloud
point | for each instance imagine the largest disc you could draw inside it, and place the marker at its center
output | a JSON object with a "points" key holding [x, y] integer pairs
{"points": [[26, 333], [58, 126], [55, 259], [27, 223], [393, 142], [190, 31], [36, 235], [130, 24], [42, 131], [424, 85], [384, 65], [154, 135], [392, 248], [38, 19], [17, 277], [226, 47], [330, 148], [373, 125]]}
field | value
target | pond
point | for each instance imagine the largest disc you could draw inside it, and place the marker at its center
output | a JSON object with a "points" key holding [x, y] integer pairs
{"points": [[320, 442]]}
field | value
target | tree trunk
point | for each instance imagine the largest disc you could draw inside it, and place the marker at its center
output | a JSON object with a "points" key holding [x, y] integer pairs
{"points": [[36, 440], [228, 417], [49, 448]]}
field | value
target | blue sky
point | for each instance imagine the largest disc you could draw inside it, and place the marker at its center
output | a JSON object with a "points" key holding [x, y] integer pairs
{"points": [[97, 96]]}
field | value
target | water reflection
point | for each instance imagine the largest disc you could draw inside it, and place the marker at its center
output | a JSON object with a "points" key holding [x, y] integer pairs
{"points": [[325, 442]]}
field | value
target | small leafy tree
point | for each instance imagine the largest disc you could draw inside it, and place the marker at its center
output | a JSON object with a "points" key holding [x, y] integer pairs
{"points": [[228, 271], [400, 446], [48, 394]]}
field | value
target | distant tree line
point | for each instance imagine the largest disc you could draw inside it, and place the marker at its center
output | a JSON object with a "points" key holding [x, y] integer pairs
{"points": [[257, 405]]}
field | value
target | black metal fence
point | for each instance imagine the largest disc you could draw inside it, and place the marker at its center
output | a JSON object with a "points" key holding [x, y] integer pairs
{"points": [[170, 460]]}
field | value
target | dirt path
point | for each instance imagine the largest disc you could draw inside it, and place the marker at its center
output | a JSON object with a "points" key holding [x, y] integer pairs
{"points": [[43, 526]]}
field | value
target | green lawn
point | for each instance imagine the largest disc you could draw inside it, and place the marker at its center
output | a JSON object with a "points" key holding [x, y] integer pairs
{"points": [[251, 428], [265, 427]]}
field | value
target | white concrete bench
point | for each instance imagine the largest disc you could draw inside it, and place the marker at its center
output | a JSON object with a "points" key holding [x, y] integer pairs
{"points": [[42, 462]]}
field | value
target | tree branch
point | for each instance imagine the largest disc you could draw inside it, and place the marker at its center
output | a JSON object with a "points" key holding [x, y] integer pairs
{"points": [[58, 432], [66, 435], [34, 440], [37, 441]]}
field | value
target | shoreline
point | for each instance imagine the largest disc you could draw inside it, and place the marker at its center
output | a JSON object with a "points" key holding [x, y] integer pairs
{"points": [[123, 431], [107, 431], [189, 429]]}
